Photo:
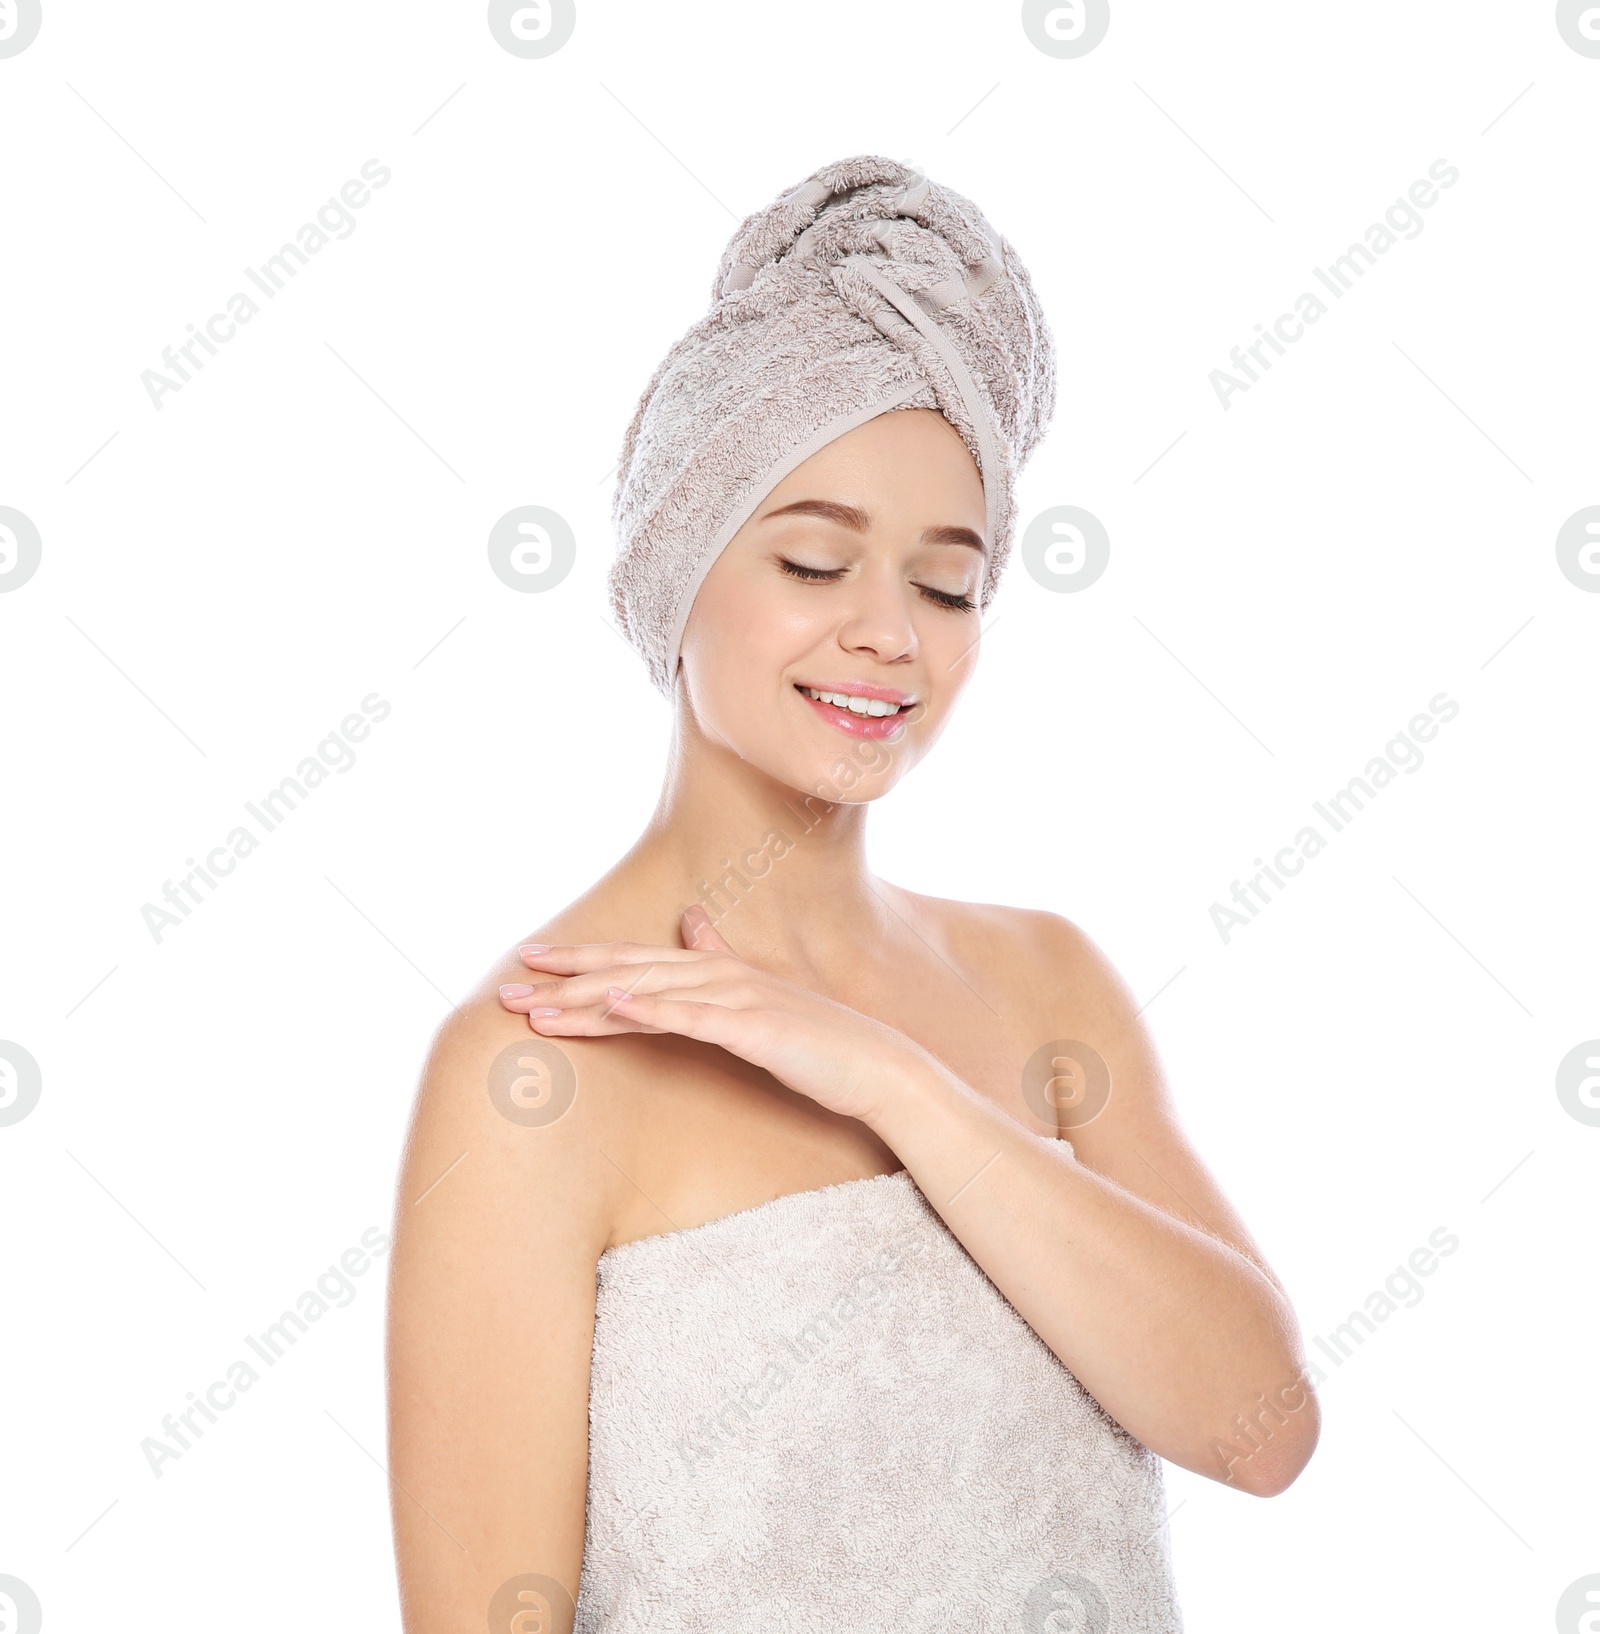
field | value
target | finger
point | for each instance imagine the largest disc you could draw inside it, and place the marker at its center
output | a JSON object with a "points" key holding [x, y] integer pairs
{"points": [[574, 958], [585, 1021], [571, 992], [689, 1018], [699, 933]]}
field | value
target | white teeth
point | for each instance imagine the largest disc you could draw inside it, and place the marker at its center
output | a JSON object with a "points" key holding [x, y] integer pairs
{"points": [[856, 706]]}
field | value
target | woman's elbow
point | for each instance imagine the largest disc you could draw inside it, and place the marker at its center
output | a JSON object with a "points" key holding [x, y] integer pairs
{"points": [[1278, 1454], [1263, 1453]]}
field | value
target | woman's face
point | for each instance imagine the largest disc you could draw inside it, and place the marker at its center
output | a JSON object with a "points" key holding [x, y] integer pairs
{"points": [[857, 577]]}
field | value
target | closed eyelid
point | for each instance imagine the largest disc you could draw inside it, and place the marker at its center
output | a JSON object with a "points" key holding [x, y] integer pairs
{"points": [[809, 571], [943, 564]]}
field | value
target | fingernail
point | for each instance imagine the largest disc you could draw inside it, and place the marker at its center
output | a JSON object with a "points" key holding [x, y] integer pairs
{"points": [[545, 1012], [617, 994], [534, 947], [515, 990]]}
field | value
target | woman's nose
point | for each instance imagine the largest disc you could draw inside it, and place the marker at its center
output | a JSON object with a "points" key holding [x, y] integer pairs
{"points": [[879, 623]]}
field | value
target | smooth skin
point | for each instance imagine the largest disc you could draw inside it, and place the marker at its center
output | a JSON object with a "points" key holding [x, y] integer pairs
{"points": [[735, 1042]]}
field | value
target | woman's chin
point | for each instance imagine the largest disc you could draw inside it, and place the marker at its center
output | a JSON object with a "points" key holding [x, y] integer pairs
{"points": [[845, 779]]}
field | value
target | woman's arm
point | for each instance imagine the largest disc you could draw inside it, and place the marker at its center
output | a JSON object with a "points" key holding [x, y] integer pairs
{"points": [[1124, 1258], [498, 1225]]}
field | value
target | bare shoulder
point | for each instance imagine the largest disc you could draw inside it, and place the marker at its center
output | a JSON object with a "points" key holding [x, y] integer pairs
{"points": [[559, 1121], [513, 1107], [1042, 957], [1060, 986], [1105, 1073], [997, 924]]}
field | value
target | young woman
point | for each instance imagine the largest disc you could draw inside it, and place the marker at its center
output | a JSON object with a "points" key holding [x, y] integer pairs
{"points": [[776, 1248]]}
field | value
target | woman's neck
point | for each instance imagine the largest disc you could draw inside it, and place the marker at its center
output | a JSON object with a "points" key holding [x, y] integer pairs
{"points": [[782, 874]]}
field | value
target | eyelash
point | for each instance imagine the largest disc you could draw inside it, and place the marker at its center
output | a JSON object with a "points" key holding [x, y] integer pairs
{"points": [[810, 574], [826, 575]]}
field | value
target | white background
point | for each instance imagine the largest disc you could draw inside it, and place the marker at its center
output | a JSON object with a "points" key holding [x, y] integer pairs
{"points": [[1292, 578]]}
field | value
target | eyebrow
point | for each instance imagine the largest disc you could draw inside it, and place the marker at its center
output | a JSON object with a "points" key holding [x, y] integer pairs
{"points": [[857, 520]]}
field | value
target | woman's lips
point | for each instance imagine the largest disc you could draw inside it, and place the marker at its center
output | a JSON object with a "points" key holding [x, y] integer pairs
{"points": [[854, 725]]}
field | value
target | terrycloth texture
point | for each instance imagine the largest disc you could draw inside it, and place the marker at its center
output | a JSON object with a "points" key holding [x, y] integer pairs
{"points": [[819, 1416], [864, 289]]}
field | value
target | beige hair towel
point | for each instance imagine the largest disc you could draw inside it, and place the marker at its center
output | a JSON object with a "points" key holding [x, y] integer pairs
{"points": [[864, 289]]}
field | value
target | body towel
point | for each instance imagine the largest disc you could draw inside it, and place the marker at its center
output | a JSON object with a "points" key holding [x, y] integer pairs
{"points": [[819, 1416]]}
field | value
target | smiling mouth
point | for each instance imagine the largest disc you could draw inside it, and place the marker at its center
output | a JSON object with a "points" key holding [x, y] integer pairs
{"points": [[859, 715], [872, 708]]}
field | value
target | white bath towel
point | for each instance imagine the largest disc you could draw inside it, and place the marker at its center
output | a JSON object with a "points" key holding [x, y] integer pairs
{"points": [[819, 1414]]}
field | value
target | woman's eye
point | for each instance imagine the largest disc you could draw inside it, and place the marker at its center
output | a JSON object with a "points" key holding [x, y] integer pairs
{"points": [[957, 602], [814, 575]]}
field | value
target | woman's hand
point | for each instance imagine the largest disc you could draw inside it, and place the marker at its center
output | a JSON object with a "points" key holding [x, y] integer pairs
{"points": [[838, 1057]]}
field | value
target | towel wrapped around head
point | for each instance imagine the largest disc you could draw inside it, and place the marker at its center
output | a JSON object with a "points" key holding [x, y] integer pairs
{"points": [[864, 289]]}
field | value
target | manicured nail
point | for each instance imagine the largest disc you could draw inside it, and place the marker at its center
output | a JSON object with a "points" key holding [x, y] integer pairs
{"points": [[545, 1012], [534, 947], [515, 990], [617, 995]]}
